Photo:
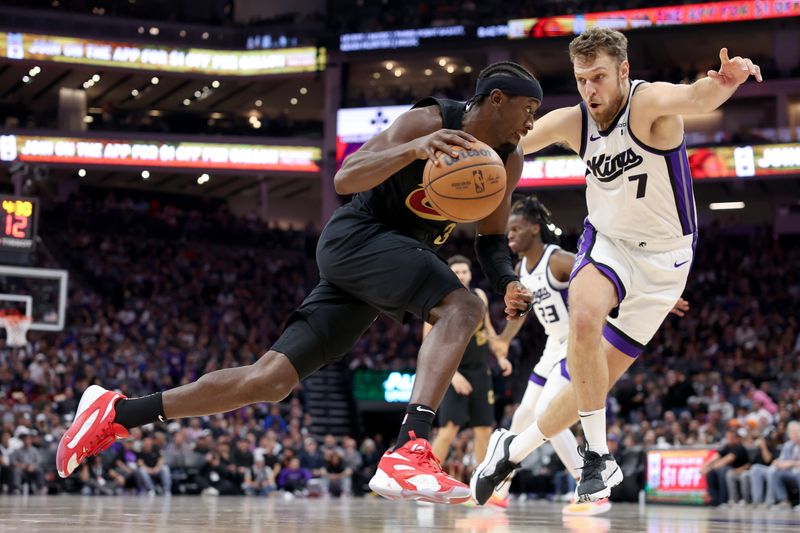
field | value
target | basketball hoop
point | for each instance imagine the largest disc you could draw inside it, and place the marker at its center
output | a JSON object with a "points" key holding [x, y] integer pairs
{"points": [[16, 327]]}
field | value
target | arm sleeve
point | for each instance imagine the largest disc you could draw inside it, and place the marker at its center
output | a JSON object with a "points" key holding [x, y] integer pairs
{"points": [[495, 259]]}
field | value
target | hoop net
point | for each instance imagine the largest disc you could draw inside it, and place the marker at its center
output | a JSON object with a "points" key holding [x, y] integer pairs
{"points": [[16, 327]]}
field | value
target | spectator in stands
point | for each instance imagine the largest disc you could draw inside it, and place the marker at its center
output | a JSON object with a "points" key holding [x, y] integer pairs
{"points": [[27, 470], [274, 420], [95, 478], [242, 458], [216, 477], [765, 453], [354, 461], [732, 456], [786, 468], [124, 467], [339, 477], [260, 479], [6, 477], [294, 478], [150, 463]]}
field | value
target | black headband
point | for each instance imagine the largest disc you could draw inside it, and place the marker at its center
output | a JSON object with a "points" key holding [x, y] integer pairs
{"points": [[507, 84]]}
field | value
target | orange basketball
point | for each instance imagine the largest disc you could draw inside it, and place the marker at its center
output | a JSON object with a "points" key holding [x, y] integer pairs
{"points": [[467, 188]]}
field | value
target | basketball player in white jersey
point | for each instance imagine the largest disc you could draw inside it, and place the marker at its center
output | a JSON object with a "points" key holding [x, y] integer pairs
{"points": [[544, 269], [638, 242]]}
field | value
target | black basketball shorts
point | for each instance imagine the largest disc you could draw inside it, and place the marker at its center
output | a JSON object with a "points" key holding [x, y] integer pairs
{"points": [[365, 269], [475, 409]]}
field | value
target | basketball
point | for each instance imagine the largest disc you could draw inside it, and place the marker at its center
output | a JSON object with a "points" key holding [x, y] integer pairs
{"points": [[466, 188]]}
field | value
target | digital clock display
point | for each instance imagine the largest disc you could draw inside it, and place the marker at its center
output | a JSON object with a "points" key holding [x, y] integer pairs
{"points": [[18, 225]]}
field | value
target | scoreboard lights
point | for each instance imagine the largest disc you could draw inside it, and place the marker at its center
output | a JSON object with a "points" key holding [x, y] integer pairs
{"points": [[18, 226]]}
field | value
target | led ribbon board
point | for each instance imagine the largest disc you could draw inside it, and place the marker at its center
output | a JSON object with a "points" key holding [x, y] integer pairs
{"points": [[155, 154], [748, 161], [36, 47], [629, 19]]}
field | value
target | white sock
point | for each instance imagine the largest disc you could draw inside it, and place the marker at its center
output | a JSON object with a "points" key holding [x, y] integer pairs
{"points": [[526, 442], [525, 415], [594, 428], [566, 448]]}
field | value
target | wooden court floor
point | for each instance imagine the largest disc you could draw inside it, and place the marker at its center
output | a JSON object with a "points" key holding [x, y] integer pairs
{"points": [[243, 514]]}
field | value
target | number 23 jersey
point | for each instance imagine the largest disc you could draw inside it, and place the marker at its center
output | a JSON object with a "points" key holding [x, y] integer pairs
{"points": [[635, 192], [549, 295]]}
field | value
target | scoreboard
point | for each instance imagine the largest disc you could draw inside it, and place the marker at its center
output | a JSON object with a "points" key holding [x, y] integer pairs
{"points": [[18, 225]]}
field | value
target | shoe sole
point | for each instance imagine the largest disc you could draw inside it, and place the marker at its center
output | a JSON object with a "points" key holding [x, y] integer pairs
{"points": [[494, 442], [614, 480], [386, 487], [583, 509]]}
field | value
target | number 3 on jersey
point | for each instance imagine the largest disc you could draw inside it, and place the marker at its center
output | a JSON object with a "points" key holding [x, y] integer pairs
{"points": [[547, 314], [445, 234]]}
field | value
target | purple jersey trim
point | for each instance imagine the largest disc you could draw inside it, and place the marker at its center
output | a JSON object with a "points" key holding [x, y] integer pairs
{"points": [[622, 342], [536, 378]]}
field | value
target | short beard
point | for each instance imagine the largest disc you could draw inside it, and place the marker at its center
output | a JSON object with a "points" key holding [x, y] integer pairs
{"points": [[616, 106]]}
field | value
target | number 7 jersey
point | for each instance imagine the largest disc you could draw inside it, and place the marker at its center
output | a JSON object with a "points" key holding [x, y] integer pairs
{"points": [[635, 192], [549, 295]]}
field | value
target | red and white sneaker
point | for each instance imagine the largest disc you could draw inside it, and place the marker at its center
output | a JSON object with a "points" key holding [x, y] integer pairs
{"points": [[587, 509], [92, 431], [412, 472]]}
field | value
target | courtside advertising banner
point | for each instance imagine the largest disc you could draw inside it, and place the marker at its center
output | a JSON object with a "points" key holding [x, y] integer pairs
{"points": [[673, 476]]}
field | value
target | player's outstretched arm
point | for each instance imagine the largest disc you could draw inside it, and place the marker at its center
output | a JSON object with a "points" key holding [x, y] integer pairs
{"points": [[703, 96], [560, 126], [416, 134]]}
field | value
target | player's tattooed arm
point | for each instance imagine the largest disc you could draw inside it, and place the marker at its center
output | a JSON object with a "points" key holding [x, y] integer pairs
{"points": [[416, 134]]}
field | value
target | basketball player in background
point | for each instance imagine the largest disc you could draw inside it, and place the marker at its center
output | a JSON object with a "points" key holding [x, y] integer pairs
{"points": [[470, 396], [376, 254], [638, 241]]}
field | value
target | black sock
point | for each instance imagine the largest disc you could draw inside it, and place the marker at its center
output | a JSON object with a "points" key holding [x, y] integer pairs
{"points": [[139, 411], [418, 421]]}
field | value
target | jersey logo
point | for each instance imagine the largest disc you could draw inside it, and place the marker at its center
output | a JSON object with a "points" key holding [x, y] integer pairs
{"points": [[608, 169], [419, 204], [540, 295], [593, 138]]}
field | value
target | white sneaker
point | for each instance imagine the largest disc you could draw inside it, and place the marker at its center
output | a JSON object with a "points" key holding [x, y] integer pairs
{"points": [[495, 469]]}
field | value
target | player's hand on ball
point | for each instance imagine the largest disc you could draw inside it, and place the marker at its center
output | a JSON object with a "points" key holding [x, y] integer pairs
{"points": [[518, 300], [461, 385], [443, 140], [734, 71]]}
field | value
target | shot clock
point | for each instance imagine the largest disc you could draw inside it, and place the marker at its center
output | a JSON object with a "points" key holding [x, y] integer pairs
{"points": [[18, 223]]}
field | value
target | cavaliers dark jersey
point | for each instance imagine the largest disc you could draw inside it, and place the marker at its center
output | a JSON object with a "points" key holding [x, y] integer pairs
{"points": [[400, 202], [477, 353]]}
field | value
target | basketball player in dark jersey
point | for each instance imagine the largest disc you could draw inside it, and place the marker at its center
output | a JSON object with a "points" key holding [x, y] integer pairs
{"points": [[377, 254], [470, 397]]}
